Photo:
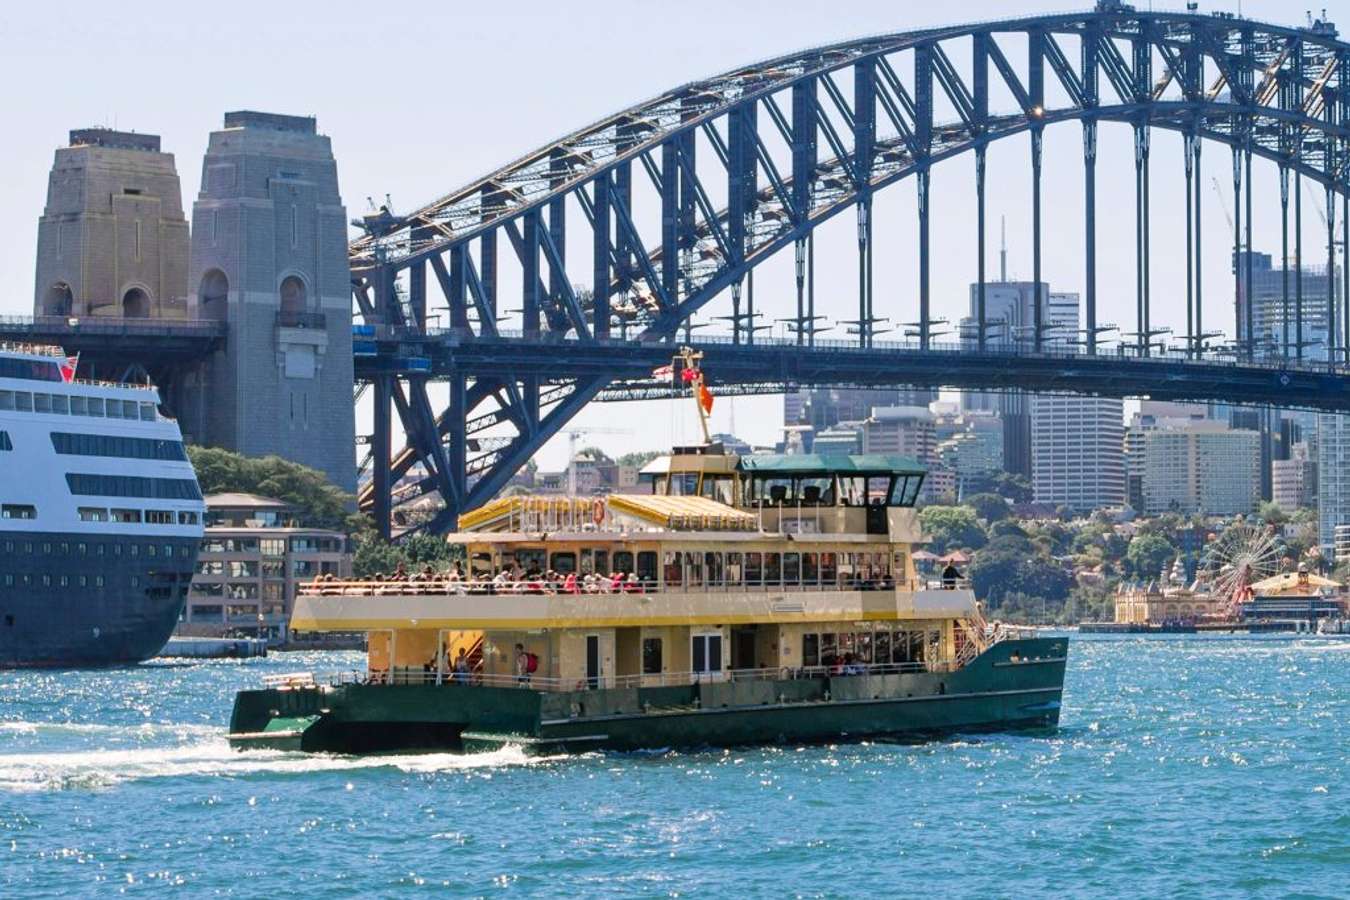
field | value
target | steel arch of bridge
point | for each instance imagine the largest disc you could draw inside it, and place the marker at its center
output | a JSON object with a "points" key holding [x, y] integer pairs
{"points": [[794, 141]]}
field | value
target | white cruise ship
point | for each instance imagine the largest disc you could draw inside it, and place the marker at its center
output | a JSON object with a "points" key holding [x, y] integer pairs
{"points": [[100, 517]]}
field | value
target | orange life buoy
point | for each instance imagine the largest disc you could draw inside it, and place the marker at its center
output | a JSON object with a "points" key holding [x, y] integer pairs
{"points": [[598, 512]]}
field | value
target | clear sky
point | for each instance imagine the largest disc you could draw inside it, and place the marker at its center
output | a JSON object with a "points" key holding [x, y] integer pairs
{"points": [[419, 98]]}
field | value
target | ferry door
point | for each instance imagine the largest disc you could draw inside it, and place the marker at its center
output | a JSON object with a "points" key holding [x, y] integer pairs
{"points": [[706, 655], [592, 661]]}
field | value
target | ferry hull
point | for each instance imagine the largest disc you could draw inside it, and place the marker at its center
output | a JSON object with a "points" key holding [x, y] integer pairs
{"points": [[45, 624], [1016, 684]]}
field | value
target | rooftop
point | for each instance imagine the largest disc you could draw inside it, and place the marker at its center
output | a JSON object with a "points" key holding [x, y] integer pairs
{"points": [[107, 137], [243, 501], [247, 118]]}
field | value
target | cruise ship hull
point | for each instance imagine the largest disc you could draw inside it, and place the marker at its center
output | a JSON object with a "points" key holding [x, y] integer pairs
{"points": [[1016, 684], [94, 618]]}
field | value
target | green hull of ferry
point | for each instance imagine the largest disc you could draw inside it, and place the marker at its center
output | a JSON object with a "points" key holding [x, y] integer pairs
{"points": [[1015, 684]]}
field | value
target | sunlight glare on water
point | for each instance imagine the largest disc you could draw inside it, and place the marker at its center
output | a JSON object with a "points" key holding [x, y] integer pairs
{"points": [[1185, 766]]}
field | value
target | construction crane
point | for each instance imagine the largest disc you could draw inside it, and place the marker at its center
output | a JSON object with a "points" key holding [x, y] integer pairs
{"points": [[572, 435]]}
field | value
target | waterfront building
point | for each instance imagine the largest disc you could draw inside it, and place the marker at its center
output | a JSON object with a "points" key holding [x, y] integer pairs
{"points": [[1200, 466], [1077, 451], [254, 556], [1333, 477], [1294, 480], [269, 258], [112, 240], [902, 431], [1168, 600]]}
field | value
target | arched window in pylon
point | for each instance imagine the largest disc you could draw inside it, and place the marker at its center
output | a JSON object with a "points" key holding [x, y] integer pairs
{"points": [[213, 295], [136, 304], [294, 295], [58, 301]]}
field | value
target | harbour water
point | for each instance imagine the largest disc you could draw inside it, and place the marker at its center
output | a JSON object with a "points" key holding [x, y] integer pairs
{"points": [[1189, 766]]}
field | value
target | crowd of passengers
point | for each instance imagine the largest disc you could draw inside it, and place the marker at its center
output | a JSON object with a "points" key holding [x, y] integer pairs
{"points": [[510, 580]]}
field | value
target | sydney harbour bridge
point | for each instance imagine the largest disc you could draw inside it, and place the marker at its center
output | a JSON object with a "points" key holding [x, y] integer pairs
{"points": [[488, 318]]}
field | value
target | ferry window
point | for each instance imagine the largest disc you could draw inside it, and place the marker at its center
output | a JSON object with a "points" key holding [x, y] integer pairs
{"points": [[587, 562], [707, 652], [187, 518], [863, 647], [827, 649], [881, 647], [23, 401], [18, 511], [623, 561], [530, 559], [684, 483], [810, 649], [829, 568], [754, 569], [847, 643], [693, 569], [673, 573], [147, 412], [61, 404], [852, 491], [126, 516], [712, 567], [602, 561], [95, 406], [646, 566], [42, 403], [5, 443], [6, 399], [773, 569], [810, 569], [912, 491], [78, 406], [733, 569], [651, 656], [113, 409], [899, 567], [792, 569], [563, 563]]}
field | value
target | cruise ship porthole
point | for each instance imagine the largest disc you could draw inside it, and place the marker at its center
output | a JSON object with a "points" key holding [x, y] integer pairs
{"points": [[96, 631]]}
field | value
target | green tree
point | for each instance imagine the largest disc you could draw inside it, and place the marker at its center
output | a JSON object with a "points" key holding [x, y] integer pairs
{"points": [[1147, 555], [373, 554], [951, 528], [1271, 513], [638, 458], [989, 507], [317, 503]]}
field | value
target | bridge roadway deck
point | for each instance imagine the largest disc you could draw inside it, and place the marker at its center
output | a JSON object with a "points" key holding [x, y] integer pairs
{"points": [[769, 365], [148, 341]]}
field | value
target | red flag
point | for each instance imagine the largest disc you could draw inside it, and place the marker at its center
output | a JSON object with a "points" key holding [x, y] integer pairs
{"points": [[705, 398]]}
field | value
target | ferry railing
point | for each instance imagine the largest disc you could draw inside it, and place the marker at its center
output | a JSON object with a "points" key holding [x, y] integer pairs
{"points": [[437, 586], [414, 676]]}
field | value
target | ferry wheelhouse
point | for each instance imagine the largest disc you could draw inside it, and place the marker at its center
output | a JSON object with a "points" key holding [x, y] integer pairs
{"points": [[740, 600]]}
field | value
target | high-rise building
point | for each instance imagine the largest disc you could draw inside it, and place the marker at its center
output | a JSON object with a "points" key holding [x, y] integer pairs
{"points": [[269, 257], [1294, 480], [901, 430], [1275, 300], [823, 408], [972, 445], [1077, 451], [112, 240], [1333, 476], [1201, 467]]}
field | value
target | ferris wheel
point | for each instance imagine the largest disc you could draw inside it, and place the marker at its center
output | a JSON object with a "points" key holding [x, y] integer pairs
{"points": [[1238, 558]]}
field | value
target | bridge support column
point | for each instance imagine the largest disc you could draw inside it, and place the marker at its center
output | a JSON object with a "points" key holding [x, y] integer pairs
{"points": [[1237, 246], [1284, 257], [811, 285], [1345, 275], [1188, 143], [862, 273], [1199, 256], [458, 456], [1038, 311], [380, 449], [925, 261], [1090, 231], [1298, 256], [736, 312], [1332, 331], [799, 261], [1251, 299], [980, 313], [1141, 137]]}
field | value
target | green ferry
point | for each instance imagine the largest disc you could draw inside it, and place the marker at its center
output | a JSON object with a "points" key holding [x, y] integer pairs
{"points": [[743, 600]]}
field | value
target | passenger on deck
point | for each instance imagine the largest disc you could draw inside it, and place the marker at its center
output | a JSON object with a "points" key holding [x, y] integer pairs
{"points": [[950, 576], [461, 670], [632, 586], [570, 584], [400, 572], [616, 583], [522, 665]]}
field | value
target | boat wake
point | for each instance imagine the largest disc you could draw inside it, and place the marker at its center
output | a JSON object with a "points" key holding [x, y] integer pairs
{"points": [[213, 758]]}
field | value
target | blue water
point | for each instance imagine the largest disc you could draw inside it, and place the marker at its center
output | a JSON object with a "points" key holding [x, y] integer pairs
{"points": [[1189, 766]]}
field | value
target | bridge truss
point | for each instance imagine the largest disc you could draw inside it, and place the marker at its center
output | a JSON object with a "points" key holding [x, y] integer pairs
{"points": [[611, 238]]}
